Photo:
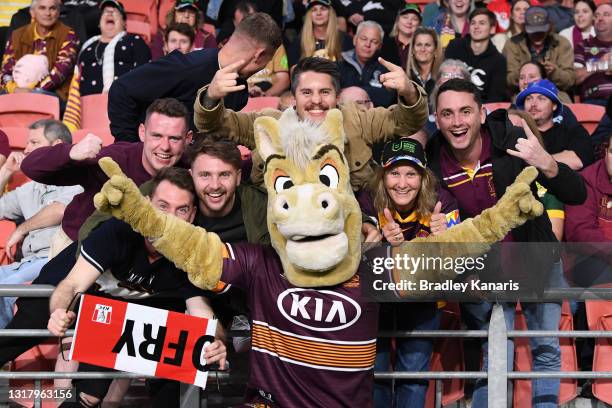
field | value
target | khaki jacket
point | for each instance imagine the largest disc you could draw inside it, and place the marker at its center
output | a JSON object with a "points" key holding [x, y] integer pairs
{"points": [[362, 130], [560, 53]]}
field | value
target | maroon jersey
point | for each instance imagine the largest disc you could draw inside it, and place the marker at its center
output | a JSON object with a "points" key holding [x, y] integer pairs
{"points": [[310, 347]]}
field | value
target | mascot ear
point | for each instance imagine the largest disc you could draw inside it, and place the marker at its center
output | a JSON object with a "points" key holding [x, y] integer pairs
{"points": [[334, 127], [267, 136]]}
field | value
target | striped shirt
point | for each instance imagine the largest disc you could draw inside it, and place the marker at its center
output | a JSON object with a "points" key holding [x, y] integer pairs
{"points": [[311, 347], [58, 73]]}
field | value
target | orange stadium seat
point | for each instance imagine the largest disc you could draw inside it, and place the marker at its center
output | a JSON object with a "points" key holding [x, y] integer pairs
{"points": [[6, 228], [144, 11], [94, 111], [261, 102], [141, 28], [102, 133], [164, 8], [16, 180], [522, 360], [599, 317], [17, 136], [447, 356], [22, 109], [588, 115]]}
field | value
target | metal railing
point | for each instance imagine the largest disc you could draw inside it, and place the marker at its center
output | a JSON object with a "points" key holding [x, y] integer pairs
{"points": [[497, 335]]}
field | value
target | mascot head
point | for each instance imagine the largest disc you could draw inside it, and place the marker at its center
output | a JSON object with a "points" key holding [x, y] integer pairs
{"points": [[313, 217]]}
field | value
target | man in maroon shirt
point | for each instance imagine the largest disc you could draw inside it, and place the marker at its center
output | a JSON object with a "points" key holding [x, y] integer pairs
{"points": [[163, 136], [477, 156]]}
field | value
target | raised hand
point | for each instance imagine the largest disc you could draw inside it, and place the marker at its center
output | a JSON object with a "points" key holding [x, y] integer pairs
{"points": [[396, 79], [392, 231], [225, 81], [88, 148], [531, 151], [121, 198], [13, 162], [437, 222]]}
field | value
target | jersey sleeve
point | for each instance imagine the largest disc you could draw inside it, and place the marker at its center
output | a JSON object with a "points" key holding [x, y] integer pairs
{"points": [[240, 261]]}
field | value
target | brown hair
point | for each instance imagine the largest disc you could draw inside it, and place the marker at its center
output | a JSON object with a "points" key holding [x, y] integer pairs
{"points": [[170, 17], [425, 200], [483, 11], [261, 28], [181, 28], [169, 107], [318, 65], [530, 122], [216, 145], [437, 58], [332, 37], [177, 176]]}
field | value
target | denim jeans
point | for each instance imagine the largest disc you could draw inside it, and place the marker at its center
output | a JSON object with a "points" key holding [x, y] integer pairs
{"points": [[545, 351], [412, 354], [14, 274]]}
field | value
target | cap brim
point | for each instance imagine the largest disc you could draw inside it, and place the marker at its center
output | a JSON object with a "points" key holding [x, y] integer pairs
{"points": [[409, 159], [537, 28]]}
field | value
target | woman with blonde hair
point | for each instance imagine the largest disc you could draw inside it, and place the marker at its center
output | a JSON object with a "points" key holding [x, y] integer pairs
{"points": [[407, 204], [320, 36], [424, 58]]}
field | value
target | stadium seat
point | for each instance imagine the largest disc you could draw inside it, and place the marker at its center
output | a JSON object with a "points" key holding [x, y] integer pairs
{"points": [[164, 8], [522, 359], [141, 28], [588, 115], [496, 105], [16, 180], [261, 102], [447, 356], [144, 11], [21, 109], [94, 111], [6, 228], [38, 358], [599, 317], [17, 136], [102, 133]]}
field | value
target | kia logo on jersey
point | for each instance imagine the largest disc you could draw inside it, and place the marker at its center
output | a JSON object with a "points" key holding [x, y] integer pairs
{"points": [[318, 310]]}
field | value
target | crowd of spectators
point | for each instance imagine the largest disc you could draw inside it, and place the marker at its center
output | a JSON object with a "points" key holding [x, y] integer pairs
{"points": [[418, 77]]}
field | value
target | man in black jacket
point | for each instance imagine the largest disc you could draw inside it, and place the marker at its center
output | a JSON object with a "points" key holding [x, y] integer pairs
{"points": [[179, 76], [476, 157], [487, 66]]}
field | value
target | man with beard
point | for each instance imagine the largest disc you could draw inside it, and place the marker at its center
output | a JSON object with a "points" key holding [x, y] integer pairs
{"points": [[179, 76], [315, 85], [569, 144]]}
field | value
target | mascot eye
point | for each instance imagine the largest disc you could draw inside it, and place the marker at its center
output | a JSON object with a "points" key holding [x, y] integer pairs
{"points": [[282, 183], [329, 176]]}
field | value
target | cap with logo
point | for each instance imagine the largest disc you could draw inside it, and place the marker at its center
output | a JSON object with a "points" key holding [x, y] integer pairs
{"points": [[311, 3], [183, 4], [410, 8], [403, 150], [536, 20], [115, 4], [542, 87]]}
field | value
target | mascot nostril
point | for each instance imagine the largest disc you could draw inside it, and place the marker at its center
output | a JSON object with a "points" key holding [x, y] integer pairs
{"points": [[324, 204], [285, 206]]}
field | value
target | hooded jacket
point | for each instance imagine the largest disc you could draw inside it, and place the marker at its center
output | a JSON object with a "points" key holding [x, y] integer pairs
{"points": [[488, 70], [567, 186]]}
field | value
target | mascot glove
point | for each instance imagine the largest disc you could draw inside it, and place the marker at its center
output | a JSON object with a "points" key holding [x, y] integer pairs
{"points": [[121, 198]]}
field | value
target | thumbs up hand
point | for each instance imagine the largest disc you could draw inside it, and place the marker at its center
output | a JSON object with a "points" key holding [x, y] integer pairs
{"points": [[531, 151], [437, 222], [392, 231]]}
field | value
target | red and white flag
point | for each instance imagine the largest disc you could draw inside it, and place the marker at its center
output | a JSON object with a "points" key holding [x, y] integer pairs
{"points": [[141, 339]]}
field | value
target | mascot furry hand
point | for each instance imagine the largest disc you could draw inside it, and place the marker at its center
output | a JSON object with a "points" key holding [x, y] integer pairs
{"points": [[314, 333]]}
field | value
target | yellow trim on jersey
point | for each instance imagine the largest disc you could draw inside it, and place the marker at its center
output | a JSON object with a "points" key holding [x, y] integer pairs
{"points": [[556, 214]]}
